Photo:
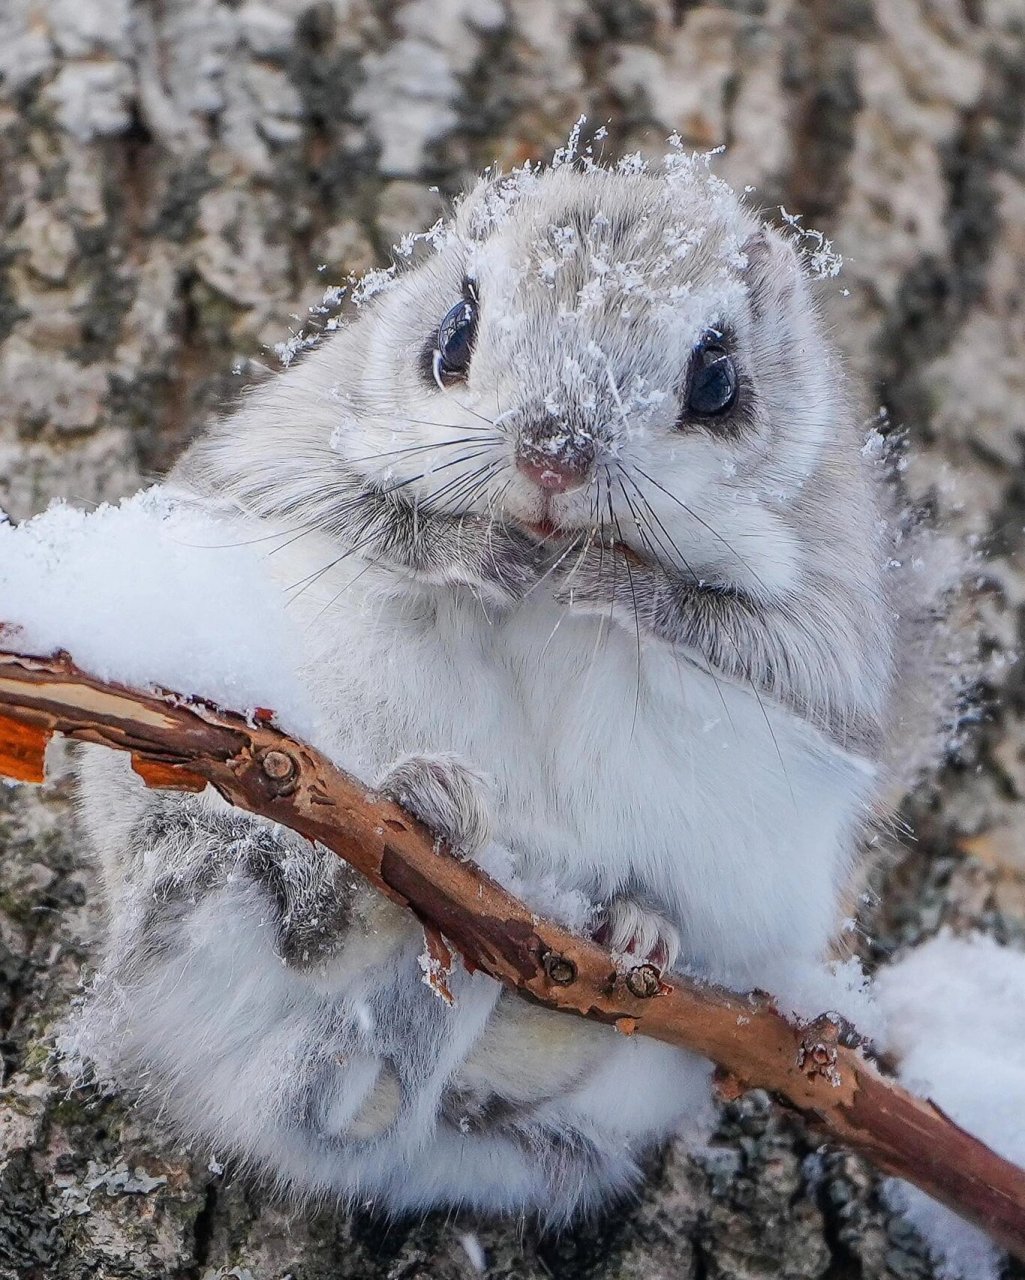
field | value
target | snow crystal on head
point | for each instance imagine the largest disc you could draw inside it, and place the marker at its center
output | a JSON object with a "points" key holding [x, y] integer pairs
{"points": [[679, 270], [820, 257], [695, 215], [492, 203], [322, 318], [612, 269], [373, 282], [438, 236]]}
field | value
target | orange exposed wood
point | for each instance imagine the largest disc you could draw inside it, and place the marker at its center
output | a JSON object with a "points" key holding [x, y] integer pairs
{"points": [[171, 777], [22, 750]]}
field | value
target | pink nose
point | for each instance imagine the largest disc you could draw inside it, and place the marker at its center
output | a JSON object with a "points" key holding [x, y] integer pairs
{"points": [[553, 475]]}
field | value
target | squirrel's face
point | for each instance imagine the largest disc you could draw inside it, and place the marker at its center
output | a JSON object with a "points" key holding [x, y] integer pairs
{"points": [[628, 353]]}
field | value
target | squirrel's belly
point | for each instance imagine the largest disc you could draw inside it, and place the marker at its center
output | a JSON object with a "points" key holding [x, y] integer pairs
{"points": [[731, 813]]}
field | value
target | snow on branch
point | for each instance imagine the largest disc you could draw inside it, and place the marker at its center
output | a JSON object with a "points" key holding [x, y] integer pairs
{"points": [[819, 1068]]}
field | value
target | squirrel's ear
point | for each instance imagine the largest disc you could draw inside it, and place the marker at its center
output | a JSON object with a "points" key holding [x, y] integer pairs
{"points": [[773, 272]]}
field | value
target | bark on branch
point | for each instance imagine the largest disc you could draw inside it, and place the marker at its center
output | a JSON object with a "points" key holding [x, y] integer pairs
{"points": [[185, 743]]}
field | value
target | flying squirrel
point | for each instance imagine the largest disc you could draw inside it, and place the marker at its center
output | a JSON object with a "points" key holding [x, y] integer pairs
{"points": [[595, 583]]}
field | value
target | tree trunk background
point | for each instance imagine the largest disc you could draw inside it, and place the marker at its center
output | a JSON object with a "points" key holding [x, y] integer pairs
{"points": [[180, 179]]}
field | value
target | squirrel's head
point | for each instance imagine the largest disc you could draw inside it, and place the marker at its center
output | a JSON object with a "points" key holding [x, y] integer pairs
{"points": [[628, 350]]}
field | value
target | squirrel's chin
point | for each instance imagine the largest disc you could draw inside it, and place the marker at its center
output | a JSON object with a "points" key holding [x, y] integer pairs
{"points": [[544, 530]]}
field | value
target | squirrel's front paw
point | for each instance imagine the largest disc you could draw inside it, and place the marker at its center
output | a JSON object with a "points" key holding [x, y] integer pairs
{"points": [[446, 795], [608, 581], [581, 577], [629, 929]]}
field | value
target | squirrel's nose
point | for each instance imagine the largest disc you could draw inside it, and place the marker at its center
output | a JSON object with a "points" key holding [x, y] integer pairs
{"points": [[556, 475], [554, 457]]}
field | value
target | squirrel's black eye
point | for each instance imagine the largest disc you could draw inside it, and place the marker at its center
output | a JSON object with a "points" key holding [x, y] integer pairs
{"points": [[454, 345], [713, 379]]}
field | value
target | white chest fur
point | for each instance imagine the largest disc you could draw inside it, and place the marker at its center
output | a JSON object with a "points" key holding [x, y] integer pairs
{"points": [[618, 765]]}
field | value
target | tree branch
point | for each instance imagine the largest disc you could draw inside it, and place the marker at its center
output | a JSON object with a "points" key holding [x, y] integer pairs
{"points": [[816, 1069]]}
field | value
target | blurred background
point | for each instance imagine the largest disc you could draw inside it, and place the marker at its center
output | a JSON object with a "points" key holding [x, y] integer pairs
{"points": [[180, 180]]}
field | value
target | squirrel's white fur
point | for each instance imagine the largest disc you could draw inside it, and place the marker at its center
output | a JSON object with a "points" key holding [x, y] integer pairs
{"points": [[703, 793]]}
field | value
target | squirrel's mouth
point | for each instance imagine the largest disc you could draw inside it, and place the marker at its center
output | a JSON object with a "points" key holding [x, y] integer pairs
{"points": [[548, 530]]}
